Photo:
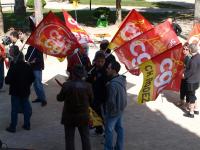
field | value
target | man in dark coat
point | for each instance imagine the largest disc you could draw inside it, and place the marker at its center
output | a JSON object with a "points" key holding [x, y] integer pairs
{"points": [[77, 95], [20, 77], [192, 78]]}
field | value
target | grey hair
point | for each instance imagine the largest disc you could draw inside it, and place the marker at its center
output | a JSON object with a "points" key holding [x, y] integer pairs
{"points": [[193, 48]]}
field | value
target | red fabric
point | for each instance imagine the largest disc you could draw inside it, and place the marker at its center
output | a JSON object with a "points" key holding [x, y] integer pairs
{"points": [[133, 25], [194, 36], [2, 51], [53, 38], [147, 45], [76, 29], [162, 72], [72, 61]]}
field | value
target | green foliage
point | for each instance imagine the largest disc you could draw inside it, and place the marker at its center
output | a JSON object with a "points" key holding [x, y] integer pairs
{"points": [[30, 3]]}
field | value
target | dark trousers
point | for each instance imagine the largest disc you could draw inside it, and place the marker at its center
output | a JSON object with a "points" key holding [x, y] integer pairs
{"points": [[183, 90], [20, 104], [69, 137], [190, 93]]}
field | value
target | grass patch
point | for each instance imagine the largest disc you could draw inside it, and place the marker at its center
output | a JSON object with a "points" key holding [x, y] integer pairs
{"points": [[140, 3], [20, 22]]}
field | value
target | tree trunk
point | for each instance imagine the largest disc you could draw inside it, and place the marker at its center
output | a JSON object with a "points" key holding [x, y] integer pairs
{"points": [[19, 8], [38, 11], [118, 11], [1, 21], [197, 10]]}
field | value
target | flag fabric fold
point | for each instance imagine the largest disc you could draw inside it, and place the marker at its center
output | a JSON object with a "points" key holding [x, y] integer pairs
{"points": [[163, 71], [133, 25], [76, 29], [194, 36], [53, 38], [147, 45]]}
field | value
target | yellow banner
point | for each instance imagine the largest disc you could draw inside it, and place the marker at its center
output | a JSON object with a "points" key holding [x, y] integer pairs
{"points": [[149, 72]]}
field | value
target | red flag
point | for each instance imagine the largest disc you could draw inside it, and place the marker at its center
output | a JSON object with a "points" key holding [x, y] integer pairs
{"points": [[2, 51], [53, 38], [76, 29], [194, 36], [147, 45], [3, 55], [73, 60], [133, 25], [161, 72]]}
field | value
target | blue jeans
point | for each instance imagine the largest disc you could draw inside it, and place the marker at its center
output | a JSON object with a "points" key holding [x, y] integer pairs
{"points": [[38, 86], [20, 104], [1, 73], [111, 124]]}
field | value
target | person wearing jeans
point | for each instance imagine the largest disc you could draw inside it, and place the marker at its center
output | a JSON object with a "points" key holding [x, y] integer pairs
{"points": [[38, 86], [116, 102], [111, 124], [35, 58], [20, 78], [17, 104]]}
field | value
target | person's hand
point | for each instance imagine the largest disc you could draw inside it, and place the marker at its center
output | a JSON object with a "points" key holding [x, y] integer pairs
{"points": [[33, 61], [183, 76]]}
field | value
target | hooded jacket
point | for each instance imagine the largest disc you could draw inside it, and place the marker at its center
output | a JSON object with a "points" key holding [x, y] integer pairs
{"points": [[116, 96]]}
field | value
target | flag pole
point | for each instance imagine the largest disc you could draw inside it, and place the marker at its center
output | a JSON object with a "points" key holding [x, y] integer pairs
{"points": [[31, 54]]}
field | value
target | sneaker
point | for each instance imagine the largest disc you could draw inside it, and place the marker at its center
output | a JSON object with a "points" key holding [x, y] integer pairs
{"points": [[95, 134], [11, 130], [26, 127], [189, 115], [37, 100], [44, 103], [196, 112]]}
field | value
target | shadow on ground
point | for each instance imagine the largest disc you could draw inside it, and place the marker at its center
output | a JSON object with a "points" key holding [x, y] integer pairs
{"points": [[144, 129]]}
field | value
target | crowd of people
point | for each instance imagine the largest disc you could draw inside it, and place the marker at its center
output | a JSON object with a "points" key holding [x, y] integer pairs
{"points": [[97, 85]]}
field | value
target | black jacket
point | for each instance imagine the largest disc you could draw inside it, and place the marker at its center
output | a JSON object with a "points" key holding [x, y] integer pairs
{"points": [[20, 77], [35, 56], [98, 79], [192, 73], [77, 95]]}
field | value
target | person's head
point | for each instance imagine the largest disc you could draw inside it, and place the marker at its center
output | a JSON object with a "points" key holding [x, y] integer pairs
{"points": [[14, 36], [17, 54], [78, 72], [85, 48], [193, 49], [186, 49], [99, 59], [103, 45], [21, 35], [113, 68]]}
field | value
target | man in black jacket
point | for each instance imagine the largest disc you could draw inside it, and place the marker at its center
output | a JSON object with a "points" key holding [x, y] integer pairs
{"points": [[192, 78], [20, 77]]}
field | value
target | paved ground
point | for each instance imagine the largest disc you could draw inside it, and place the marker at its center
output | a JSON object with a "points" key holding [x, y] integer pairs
{"points": [[151, 126]]}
